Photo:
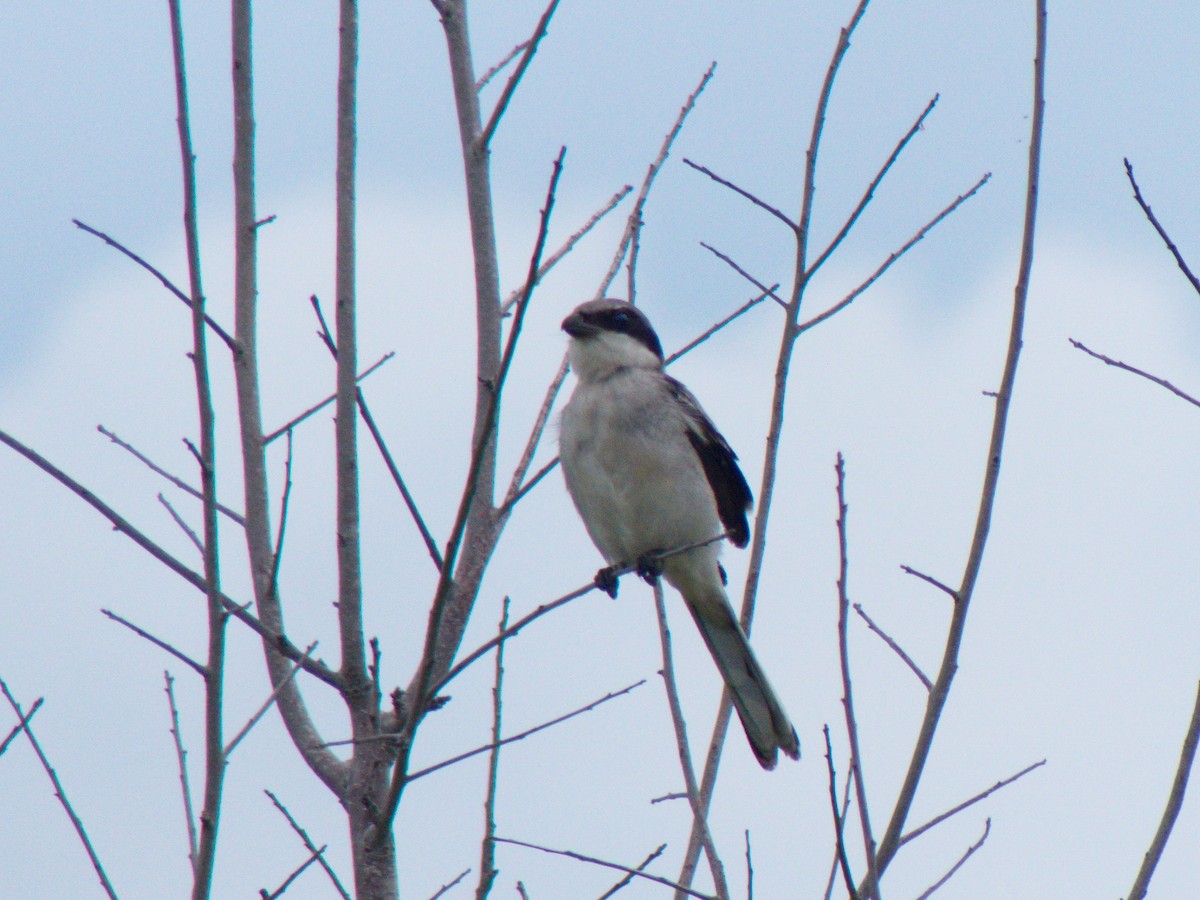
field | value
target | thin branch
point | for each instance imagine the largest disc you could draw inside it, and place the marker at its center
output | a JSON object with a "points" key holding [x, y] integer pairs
{"points": [[609, 865], [296, 873], [856, 766], [1161, 382], [634, 222], [310, 846], [710, 331], [869, 194], [22, 721], [157, 642], [487, 849], [267, 704], [312, 410], [613, 695], [166, 282], [742, 192], [629, 876], [276, 640], [59, 791], [941, 688], [531, 46], [183, 526], [929, 579], [175, 480], [1187, 756], [181, 758], [445, 888], [937, 820], [887, 639], [491, 73], [987, 828], [749, 869], [1162, 232], [839, 823], [887, 263], [699, 813], [515, 489], [728, 260]]}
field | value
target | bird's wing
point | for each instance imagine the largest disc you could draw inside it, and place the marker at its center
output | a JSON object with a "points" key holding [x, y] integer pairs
{"points": [[719, 462]]}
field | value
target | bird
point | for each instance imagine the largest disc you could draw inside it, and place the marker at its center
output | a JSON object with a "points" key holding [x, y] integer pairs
{"points": [[649, 473]]}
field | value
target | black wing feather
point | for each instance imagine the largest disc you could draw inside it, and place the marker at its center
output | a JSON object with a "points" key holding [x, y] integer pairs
{"points": [[719, 462]]}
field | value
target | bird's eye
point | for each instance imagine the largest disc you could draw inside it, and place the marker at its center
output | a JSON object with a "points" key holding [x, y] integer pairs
{"points": [[621, 318]]}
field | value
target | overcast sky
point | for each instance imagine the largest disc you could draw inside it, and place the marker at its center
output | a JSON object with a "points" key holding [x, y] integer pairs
{"points": [[1081, 645]]}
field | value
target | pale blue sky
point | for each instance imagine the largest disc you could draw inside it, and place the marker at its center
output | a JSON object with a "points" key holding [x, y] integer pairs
{"points": [[1081, 646]]}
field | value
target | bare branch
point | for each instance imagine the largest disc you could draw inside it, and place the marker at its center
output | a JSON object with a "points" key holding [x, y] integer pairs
{"points": [[609, 865], [166, 282], [310, 846], [742, 192], [1162, 232], [725, 258], [709, 332], [869, 194], [929, 579], [181, 758], [515, 489], [1108, 360], [59, 791], [613, 695], [987, 828], [531, 46], [487, 850], [941, 688], [839, 823], [908, 660], [699, 812], [749, 869], [937, 820], [267, 704], [315, 855], [856, 767], [887, 263], [629, 876], [312, 410], [22, 721], [140, 632], [491, 73], [183, 526], [175, 480], [445, 888], [1187, 756]]}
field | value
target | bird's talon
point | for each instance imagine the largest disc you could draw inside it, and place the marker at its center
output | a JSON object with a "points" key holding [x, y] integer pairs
{"points": [[649, 567], [724, 577], [607, 581]]}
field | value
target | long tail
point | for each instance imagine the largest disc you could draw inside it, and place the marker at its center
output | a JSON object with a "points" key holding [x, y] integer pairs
{"points": [[766, 724]]}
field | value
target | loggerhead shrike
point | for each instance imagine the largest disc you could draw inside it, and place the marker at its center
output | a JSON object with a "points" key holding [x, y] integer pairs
{"points": [[650, 473]]}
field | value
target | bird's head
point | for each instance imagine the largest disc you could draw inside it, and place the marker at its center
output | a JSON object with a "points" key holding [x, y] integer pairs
{"points": [[607, 335]]}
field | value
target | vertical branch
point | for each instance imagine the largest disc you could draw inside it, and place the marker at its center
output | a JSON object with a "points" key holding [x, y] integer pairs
{"points": [[245, 366], [856, 767], [181, 757], [941, 688], [214, 670], [699, 814], [775, 429], [487, 852], [1187, 756]]}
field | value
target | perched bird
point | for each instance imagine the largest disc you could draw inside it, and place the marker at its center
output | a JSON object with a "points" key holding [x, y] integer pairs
{"points": [[650, 473]]}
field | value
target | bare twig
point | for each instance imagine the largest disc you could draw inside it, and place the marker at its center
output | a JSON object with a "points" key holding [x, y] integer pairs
{"points": [[729, 261], [629, 876], [839, 823], [22, 721], [929, 579], [59, 791], [887, 263], [315, 855], [487, 850], [316, 408], [1162, 232], [1161, 382], [699, 814], [613, 695], [267, 704], [531, 46], [175, 480], [709, 332], [609, 865], [157, 642], [856, 766], [987, 828], [491, 73], [887, 639], [515, 488], [445, 888], [941, 688], [166, 282], [183, 525], [742, 192], [310, 846], [749, 869], [181, 758], [937, 820], [1187, 756]]}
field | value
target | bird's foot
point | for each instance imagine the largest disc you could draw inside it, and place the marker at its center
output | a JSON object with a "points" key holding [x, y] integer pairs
{"points": [[606, 581], [724, 577], [649, 567]]}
